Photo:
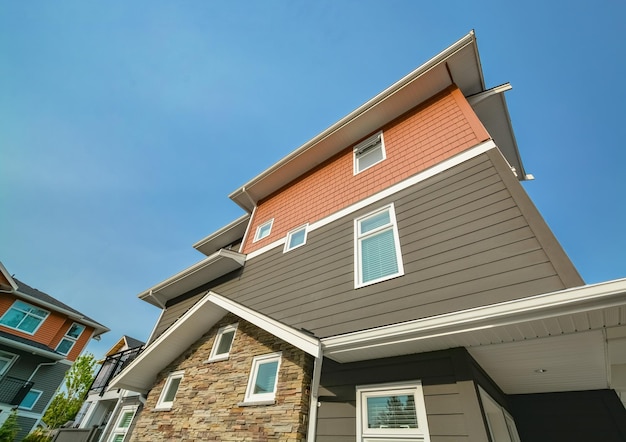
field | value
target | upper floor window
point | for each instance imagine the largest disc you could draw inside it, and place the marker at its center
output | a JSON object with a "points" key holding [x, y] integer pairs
{"points": [[391, 411], [369, 152], [166, 399], [70, 338], [24, 317], [6, 360], [223, 343], [263, 378], [263, 230], [295, 238], [30, 400], [377, 247]]}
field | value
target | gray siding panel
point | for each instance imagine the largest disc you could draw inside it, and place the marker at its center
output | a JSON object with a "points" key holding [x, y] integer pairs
{"points": [[464, 243], [172, 313]]}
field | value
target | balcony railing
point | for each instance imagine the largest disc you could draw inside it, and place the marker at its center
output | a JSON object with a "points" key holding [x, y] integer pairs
{"points": [[111, 366], [13, 390]]}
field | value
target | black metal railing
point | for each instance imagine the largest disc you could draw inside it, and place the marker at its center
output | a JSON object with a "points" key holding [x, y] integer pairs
{"points": [[14, 390], [111, 366]]}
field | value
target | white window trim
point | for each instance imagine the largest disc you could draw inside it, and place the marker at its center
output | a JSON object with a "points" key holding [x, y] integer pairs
{"points": [[122, 431], [32, 390], [213, 357], [43, 319], [358, 273], [261, 398], [257, 234], [364, 145], [11, 358], [291, 233], [500, 423], [72, 339], [167, 405], [365, 434]]}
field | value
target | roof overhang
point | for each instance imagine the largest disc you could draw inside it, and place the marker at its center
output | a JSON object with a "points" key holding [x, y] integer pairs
{"points": [[35, 350], [218, 264], [223, 237], [458, 64], [141, 373], [11, 284], [542, 329]]}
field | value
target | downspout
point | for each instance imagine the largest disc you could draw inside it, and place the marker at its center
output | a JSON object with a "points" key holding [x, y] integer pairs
{"points": [[315, 383], [51, 397], [245, 236]]}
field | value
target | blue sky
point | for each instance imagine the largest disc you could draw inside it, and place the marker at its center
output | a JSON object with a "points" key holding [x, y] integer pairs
{"points": [[125, 125]]}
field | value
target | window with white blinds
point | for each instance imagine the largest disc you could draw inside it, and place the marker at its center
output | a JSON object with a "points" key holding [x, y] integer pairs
{"points": [[377, 247], [391, 412], [123, 424], [369, 152]]}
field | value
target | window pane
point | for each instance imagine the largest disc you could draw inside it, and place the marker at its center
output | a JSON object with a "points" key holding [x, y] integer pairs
{"points": [[64, 346], [29, 324], [30, 399], [296, 238], [171, 390], [378, 256], [118, 438], [375, 221], [12, 318], [226, 340], [391, 412], [75, 331], [266, 377], [126, 419], [370, 157]]}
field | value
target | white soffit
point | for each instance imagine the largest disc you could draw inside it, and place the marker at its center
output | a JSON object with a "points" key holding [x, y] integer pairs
{"points": [[218, 264], [141, 373], [564, 312]]}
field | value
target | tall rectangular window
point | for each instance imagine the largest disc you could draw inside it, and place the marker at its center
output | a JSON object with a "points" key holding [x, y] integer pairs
{"points": [[369, 152], [390, 411], [24, 317], [166, 399], [263, 378], [6, 360], [70, 338], [377, 247], [123, 423]]}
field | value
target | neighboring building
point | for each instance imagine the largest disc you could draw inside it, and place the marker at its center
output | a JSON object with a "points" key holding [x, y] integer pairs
{"points": [[111, 411], [40, 338], [390, 281]]}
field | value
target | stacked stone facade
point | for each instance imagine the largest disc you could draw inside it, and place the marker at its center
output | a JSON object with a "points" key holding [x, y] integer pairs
{"points": [[209, 402]]}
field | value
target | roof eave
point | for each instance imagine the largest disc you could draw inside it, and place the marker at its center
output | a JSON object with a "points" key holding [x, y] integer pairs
{"points": [[348, 130]]}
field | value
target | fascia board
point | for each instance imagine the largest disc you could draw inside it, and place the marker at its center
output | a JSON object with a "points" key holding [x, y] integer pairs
{"points": [[224, 236], [182, 282], [141, 372], [365, 119], [569, 301], [7, 275], [301, 340]]}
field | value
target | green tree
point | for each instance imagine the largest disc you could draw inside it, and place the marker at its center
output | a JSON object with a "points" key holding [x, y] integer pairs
{"points": [[69, 398], [9, 428]]}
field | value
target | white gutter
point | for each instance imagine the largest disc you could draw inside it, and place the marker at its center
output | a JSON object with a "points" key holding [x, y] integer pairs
{"points": [[568, 301], [31, 349]]}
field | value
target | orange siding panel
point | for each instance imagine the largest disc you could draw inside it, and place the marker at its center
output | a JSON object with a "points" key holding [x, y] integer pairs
{"points": [[438, 129]]}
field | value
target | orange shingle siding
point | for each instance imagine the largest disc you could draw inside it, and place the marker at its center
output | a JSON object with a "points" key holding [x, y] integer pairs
{"points": [[50, 332], [440, 128]]}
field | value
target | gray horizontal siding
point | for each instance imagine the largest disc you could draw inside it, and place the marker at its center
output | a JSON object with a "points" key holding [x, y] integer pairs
{"points": [[171, 314], [465, 242]]}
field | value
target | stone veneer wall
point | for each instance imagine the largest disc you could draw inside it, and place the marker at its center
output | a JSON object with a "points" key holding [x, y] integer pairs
{"points": [[207, 407]]}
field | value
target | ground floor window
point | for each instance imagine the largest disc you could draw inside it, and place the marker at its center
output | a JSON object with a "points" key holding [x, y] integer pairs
{"points": [[391, 412], [123, 423]]}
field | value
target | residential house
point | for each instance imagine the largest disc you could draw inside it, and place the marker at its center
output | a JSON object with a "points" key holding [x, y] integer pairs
{"points": [[40, 338], [390, 281], [110, 412]]}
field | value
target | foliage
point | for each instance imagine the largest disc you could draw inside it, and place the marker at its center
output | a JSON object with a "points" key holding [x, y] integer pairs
{"points": [[39, 435], [9, 428], [69, 398]]}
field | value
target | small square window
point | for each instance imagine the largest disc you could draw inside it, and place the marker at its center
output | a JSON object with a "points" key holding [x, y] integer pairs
{"points": [[223, 343], [263, 230], [369, 152], [296, 238], [166, 399], [263, 378], [70, 338]]}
